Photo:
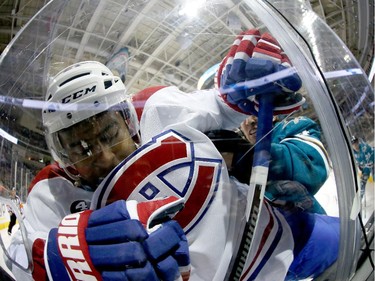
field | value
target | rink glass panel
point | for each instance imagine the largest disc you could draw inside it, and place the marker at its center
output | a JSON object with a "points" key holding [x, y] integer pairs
{"points": [[164, 43]]}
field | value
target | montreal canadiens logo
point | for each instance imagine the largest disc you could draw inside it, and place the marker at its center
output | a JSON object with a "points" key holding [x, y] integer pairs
{"points": [[170, 164]]}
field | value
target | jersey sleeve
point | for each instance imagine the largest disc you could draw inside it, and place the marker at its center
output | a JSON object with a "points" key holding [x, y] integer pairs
{"points": [[50, 199], [297, 154], [203, 110]]}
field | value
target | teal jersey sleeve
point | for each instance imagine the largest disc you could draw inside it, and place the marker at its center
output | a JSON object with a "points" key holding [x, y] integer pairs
{"points": [[298, 155]]}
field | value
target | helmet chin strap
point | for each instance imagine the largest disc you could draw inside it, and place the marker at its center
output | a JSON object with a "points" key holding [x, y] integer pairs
{"points": [[76, 178]]}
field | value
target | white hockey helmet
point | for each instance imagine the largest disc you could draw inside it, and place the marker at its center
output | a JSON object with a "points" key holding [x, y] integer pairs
{"points": [[79, 92]]}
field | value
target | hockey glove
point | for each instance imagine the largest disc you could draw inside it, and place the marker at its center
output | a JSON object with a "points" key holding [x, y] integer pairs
{"points": [[256, 65], [292, 195], [112, 243]]}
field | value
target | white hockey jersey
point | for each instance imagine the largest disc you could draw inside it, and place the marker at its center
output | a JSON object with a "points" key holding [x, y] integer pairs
{"points": [[176, 158]]}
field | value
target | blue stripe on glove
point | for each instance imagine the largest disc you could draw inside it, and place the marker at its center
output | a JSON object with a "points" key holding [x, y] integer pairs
{"points": [[132, 274], [117, 212], [117, 256], [121, 231], [161, 241]]}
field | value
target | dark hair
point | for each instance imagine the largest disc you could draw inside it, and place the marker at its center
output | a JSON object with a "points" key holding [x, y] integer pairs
{"points": [[354, 139]]}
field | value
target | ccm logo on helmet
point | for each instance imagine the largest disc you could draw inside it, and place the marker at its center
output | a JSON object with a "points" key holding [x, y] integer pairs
{"points": [[78, 94], [70, 249]]}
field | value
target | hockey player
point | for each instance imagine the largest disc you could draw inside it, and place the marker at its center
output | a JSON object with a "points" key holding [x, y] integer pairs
{"points": [[290, 177], [122, 241], [12, 214], [364, 156], [172, 157]]}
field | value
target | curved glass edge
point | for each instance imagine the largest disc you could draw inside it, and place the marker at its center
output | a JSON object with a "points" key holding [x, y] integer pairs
{"points": [[26, 242], [24, 72], [327, 81], [27, 53]]}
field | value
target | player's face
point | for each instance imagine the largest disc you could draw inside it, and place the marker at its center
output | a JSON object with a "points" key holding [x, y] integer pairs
{"points": [[355, 145], [97, 145], [249, 128]]}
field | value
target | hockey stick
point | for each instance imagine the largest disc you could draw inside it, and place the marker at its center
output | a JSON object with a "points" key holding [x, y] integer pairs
{"points": [[258, 181]]}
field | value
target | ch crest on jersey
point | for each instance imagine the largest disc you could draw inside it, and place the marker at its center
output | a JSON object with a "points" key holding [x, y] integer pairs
{"points": [[170, 164]]}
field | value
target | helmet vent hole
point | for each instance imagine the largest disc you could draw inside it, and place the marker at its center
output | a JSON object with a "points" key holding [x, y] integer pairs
{"points": [[74, 77], [96, 103], [69, 115], [107, 84]]}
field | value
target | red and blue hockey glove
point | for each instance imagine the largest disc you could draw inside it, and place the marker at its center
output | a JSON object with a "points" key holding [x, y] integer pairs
{"points": [[256, 65], [112, 243]]}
